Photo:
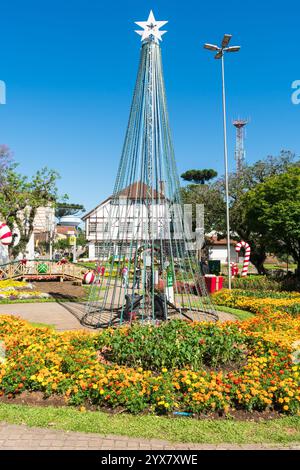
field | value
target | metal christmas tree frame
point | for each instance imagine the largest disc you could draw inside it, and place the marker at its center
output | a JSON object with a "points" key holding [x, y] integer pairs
{"points": [[150, 274]]}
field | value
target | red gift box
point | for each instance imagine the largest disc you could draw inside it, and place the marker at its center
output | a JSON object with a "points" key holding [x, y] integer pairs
{"points": [[213, 283]]}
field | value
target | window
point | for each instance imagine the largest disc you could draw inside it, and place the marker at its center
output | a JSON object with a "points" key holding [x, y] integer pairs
{"points": [[123, 249], [102, 227], [98, 227], [92, 227], [125, 227], [99, 250]]}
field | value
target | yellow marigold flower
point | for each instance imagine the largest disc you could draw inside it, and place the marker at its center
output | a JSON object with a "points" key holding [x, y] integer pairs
{"points": [[285, 407]]}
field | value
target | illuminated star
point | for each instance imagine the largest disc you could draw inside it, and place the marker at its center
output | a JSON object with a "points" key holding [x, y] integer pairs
{"points": [[151, 28]]}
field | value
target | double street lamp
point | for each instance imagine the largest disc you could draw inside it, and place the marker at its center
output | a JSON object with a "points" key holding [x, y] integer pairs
{"points": [[220, 51]]}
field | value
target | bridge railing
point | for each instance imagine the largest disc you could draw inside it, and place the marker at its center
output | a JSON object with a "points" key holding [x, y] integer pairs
{"points": [[42, 268]]}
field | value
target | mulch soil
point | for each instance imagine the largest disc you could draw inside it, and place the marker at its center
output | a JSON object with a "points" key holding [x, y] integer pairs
{"points": [[61, 290], [38, 399]]}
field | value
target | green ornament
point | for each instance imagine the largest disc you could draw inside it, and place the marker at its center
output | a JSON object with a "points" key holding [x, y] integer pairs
{"points": [[42, 268]]}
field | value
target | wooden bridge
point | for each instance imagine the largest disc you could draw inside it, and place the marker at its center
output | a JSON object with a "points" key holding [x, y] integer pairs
{"points": [[43, 269]]}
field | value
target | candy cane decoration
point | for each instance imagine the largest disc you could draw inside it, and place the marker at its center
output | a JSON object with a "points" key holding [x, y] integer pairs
{"points": [[238, 247], [5, 234], [234, 269]]}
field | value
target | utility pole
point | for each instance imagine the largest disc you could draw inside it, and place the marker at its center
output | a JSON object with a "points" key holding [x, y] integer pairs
{"points": [[220, 55]]}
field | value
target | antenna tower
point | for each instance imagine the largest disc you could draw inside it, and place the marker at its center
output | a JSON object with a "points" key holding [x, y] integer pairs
{"points": [[240, 153]]}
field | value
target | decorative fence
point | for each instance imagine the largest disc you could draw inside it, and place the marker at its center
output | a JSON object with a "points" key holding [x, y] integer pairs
{"points": [[42, 269]]}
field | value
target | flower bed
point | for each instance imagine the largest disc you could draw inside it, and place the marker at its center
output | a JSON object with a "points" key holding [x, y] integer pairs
{"points": [[22, 295], [12, 284], [18, 290], [176, 366], [257, 301]]}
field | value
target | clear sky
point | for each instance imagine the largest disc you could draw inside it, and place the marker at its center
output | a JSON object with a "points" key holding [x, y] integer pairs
{"points": [[70, 68]]}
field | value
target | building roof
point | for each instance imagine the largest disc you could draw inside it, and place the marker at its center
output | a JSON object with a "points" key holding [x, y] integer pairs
{"points": [[64, 229], [139, 190], [135, 191], [223, 241]]}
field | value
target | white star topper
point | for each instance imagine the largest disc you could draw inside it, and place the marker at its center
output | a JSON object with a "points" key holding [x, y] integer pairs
{"points": [[151, 27]]}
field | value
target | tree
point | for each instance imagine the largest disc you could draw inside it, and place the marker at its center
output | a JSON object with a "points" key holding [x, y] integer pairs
{"points": [[239, 185], [214, 209], [214, 205], [5, 162], [81, 238], [20, 198], [63, 209], [62, 244], [273, 210], [199, 176]]}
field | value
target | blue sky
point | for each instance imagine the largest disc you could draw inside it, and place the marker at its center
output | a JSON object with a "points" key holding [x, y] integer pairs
{"points": [[70, 69]]}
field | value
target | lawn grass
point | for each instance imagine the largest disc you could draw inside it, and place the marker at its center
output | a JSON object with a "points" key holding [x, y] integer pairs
{"points": [[42, 325], [41, 301], [28, 301], [283, 430], [280, 266], [239, 314]]}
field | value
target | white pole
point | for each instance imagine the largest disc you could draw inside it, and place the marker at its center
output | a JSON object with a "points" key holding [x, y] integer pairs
{"points": [[51, 245], [226, 174], [74, 251]]}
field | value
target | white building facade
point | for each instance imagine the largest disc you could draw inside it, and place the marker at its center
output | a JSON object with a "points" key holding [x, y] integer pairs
{"points": [[121, 222]]}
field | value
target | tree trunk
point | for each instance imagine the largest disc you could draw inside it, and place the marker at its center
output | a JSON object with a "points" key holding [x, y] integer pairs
{"points": [[260, 268], [297, 272], [258, 258]]}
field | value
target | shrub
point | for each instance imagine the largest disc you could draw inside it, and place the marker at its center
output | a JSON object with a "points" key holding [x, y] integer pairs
{"points": [[174, 345], [264, 283], [290, 283], [253, 282]]}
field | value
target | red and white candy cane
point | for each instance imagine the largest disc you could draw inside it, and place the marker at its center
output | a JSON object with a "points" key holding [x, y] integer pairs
{"points": [[247, 248], [5, 234], [234, 269]]}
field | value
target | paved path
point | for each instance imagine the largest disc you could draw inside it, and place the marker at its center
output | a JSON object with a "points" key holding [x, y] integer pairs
{"points": [[64, 316], [18, 437]]}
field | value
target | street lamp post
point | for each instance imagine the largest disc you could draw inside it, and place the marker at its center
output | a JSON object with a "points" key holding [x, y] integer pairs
{"points": [[220, 55]]}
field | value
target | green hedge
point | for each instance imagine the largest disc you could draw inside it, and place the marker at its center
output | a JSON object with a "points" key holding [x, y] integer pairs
{"points": [[256, 282]]}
